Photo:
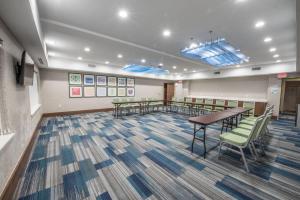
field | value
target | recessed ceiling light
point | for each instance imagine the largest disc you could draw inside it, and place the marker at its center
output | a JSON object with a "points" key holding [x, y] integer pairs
{"points": [[174, 67], [272, 49], [79, 58], [268, 39], [193, 45], [185, 69], [276, 56], [120, 56], [240, 1], [160, 64], [87, 49], [166, 33], [107, 62], [259, 24], [51, 54], [50, 42], [194, 71], [143, 61], [123, 13], [238, 66], [278, 61]]}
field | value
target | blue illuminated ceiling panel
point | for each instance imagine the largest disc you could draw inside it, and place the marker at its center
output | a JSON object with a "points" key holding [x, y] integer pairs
{"points": [[218, 53], [145, 69]]}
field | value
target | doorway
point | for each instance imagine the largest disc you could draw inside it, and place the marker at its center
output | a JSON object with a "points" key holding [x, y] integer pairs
{"points": [[169, 91], [291, 96]]}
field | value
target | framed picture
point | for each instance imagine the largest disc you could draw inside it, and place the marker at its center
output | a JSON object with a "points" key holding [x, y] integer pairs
{"points": [[130, 92], [112, 81], [75, 92], [89, 91], [111, 91], [121, 92], [88, 79], [75, 79], [121, 82], [130, 82], [101, 80], [101, 91]]}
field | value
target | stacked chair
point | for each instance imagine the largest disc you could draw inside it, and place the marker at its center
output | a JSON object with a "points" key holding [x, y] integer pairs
{"points": [[249, 132]]}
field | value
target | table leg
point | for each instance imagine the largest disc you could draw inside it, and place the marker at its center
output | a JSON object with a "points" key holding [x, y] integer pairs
{"points": [[194, 138], [204, 132]]}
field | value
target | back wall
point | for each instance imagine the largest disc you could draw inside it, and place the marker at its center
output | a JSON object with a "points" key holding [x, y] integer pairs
{"points": [[55, 93]]}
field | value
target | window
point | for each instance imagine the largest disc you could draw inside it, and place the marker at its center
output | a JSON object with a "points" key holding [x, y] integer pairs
{"points": [[34, 94]]}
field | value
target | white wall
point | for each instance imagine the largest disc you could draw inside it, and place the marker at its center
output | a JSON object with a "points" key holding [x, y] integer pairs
{"points": [[21, 122], [55, 93], [260, 89], [250, 88]]}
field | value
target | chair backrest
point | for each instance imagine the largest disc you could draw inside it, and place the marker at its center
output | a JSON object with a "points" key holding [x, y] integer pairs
{"points": [[254, 129], [115, 100], [220, 102], [199, 100], [249, 104], [208, 101], [174, 99], [232, 103], [188, 99], [261, 130]]}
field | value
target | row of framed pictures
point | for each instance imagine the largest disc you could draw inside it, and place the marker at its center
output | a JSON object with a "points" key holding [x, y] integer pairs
{"points": [[99, 80], [88, 91]]}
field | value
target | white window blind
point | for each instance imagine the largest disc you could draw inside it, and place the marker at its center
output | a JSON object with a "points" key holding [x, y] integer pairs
{"points": [[34, 95]]}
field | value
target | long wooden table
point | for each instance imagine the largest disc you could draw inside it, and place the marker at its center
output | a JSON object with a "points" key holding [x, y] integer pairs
{"points": [[212, 118]]}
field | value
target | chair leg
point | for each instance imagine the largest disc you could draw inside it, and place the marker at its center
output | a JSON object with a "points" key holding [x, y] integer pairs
{"points": [[220, 148], [244, 159], [254, 149]]}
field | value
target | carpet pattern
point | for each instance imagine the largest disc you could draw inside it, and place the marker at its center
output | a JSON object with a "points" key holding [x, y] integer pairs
{"points": [[94, 156]]}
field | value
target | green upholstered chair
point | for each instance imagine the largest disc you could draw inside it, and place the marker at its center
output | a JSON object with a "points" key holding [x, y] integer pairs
{"points": [[208, 108], [221, 103], [249, 104], [232, 139], [232, 103], [155, 104]]}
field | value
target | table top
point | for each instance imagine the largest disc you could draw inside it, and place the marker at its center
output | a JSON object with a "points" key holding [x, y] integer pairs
{"points": [[202, 104], [217, 116], [139, 101]]}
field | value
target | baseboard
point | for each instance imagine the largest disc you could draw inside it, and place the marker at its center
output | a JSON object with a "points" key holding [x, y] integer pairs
{"points": [[11, 186], [76, 112]]}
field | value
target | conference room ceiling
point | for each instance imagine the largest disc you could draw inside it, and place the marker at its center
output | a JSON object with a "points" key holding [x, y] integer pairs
{"points": [[71, 25]]}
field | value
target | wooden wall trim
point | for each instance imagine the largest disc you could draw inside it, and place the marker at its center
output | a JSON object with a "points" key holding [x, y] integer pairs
{"points": [[76, 112], [10, 187]]}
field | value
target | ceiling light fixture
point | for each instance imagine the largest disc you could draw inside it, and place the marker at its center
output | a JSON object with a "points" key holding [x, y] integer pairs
{"points": [[238, 66], [51, 54], [143, 61], [278, 61], [194, 71], [166, 33], [79, 58], [120, 56], [259, 24], [185, 69], [50, 42], [268, 39], [107, 62], [174, 67], [276, 56], [160, 64], [87, 49], [272, 49], [123, 13]]}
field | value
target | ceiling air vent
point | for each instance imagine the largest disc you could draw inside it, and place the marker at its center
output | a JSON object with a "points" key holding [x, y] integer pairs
{"points": [[217, 73], [256, 68], [91, 65], [40, 61]]}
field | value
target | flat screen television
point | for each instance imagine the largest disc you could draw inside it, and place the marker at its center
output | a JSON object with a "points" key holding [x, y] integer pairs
{"points": [[24, 72]]}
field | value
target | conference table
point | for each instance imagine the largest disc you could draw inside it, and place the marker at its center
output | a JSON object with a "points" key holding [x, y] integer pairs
{"points": [[206, 120], [143, 104]]}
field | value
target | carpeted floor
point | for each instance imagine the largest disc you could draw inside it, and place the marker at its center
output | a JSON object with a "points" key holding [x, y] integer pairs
{"points": [[94, 156]]}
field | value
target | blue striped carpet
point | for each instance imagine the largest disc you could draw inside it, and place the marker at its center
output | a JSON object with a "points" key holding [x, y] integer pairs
{"points": [[94, 156]]}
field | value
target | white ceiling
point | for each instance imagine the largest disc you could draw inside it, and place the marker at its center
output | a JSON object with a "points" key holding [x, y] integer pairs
{"points": [[75, 24]]}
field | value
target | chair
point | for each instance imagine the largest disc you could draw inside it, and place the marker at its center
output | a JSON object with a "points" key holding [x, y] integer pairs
{"points": [[188, 105], [221, 104], [234, 140], [199, 105], [249, 104], [232, 103], [208, 108], [155, 104]]}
